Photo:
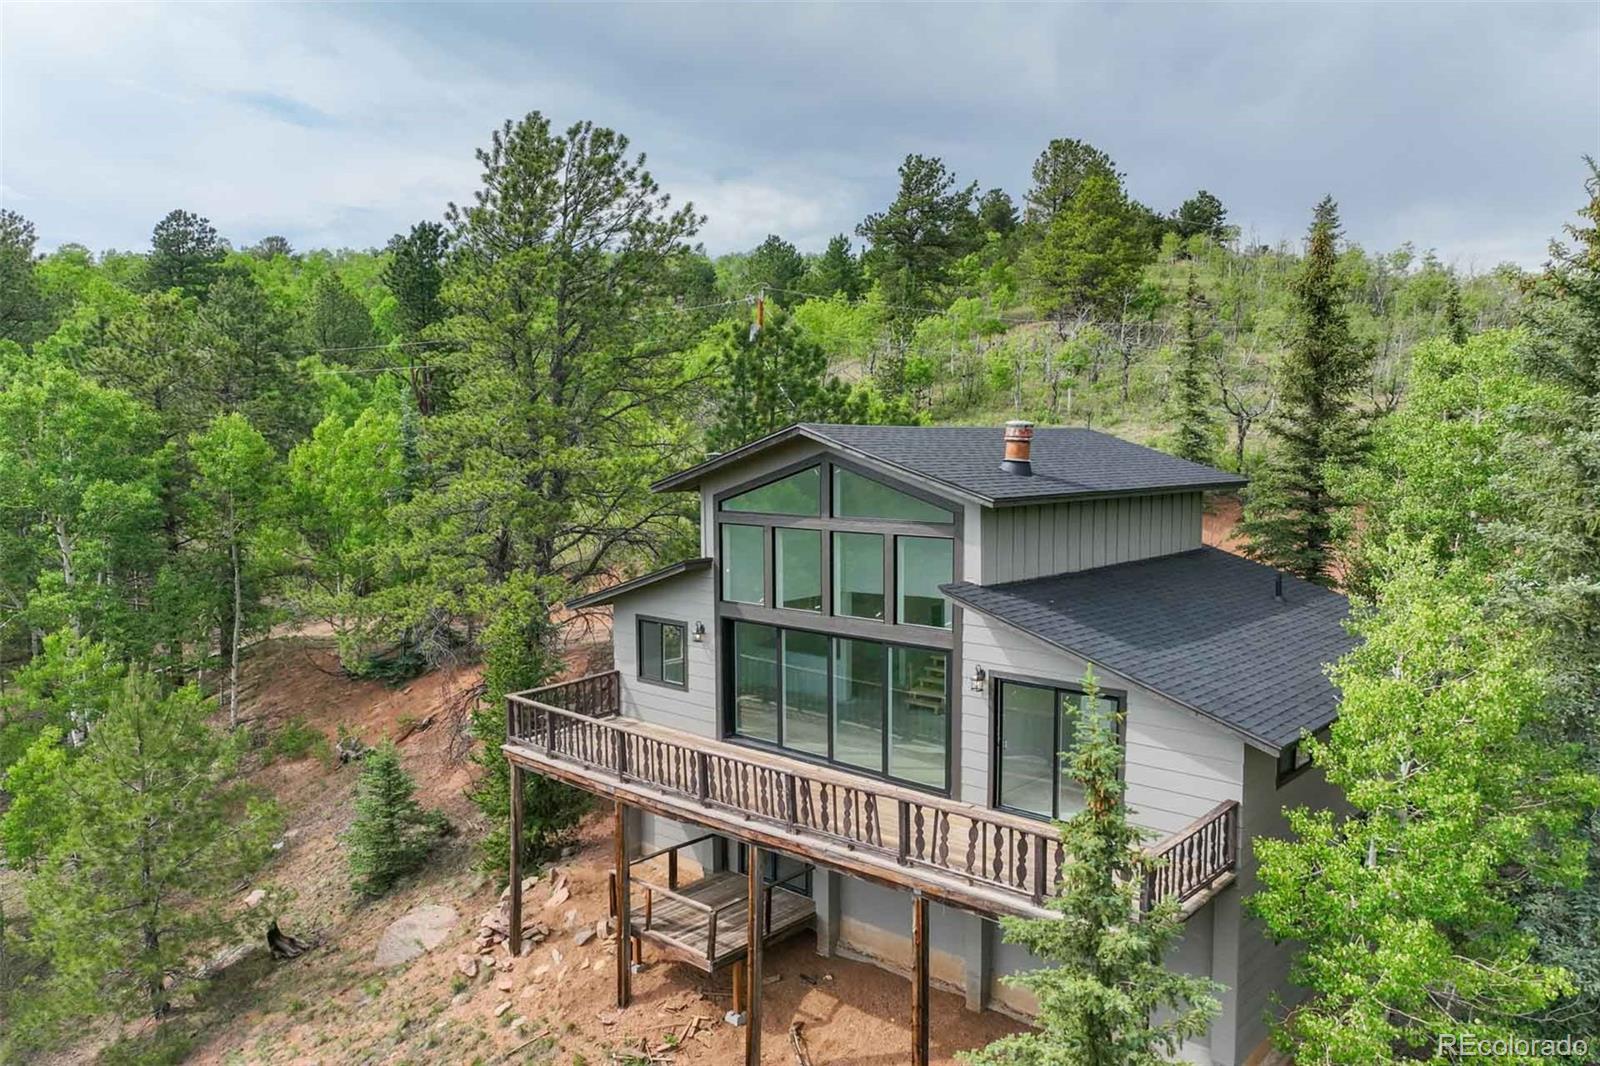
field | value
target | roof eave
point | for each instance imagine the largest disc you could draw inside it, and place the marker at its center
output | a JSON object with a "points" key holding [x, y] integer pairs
{"points": [[610, 593], [956, 592], [1106, 494]]}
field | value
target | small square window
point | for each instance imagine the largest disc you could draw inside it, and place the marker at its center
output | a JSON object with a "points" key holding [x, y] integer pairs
{"points": [[1292, 759], [661, 652]]}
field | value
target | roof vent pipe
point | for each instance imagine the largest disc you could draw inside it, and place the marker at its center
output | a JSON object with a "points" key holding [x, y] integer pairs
{"points": [[1277, 591], [1019, 448]]}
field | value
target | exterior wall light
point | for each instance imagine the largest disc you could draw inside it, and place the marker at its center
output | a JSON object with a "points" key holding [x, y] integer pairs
{"points": [[699, 632], [979, 677]]}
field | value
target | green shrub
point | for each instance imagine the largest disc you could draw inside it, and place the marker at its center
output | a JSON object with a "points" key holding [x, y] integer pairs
{"points": [[296, 740], [392, 834]]}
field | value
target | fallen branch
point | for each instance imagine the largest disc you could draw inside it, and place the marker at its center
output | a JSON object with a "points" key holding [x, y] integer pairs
{"points": [[797, 1039]]}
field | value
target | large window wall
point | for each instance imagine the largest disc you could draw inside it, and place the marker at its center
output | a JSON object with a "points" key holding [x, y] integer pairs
{"points": [[866, 705], [844, 545], [837, 641]]}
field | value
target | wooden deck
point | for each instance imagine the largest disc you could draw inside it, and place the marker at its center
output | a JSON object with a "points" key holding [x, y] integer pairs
{"points": [[706, 922], [975, 858]]}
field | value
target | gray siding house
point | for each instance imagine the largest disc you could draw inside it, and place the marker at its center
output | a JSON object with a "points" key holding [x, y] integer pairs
{"points": [[846, 713]]}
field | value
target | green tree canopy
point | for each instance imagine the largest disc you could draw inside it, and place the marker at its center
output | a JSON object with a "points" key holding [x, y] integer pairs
{"points": [[914, 243], [1091, 255], [185, 252], [837, 271], [1194, 399], [156, 836], [770, 378], [1058, 172], [568, 403]]}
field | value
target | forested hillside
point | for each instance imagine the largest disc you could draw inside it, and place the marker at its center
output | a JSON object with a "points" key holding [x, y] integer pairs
{"points": [[429, 447]]}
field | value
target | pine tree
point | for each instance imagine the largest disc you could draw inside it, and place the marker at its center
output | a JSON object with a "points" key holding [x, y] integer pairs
{"points": [[391, 834], [1202, 213], [415, 274], [914, 243], [1196, 434], [1317, 430], [24, 310], [157, 837], [1555, 572], [1090, 256], [1455, 316], [567, 364], [836, 271], [1107, 997], [184, 254], [1058, 172], [770, 378], [336, 321]]}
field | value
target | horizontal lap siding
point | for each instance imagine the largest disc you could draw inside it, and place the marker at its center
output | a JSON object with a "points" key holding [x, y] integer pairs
{"points": [[1036, 541], [1179, 765], [1264, 985], [685, 599]]}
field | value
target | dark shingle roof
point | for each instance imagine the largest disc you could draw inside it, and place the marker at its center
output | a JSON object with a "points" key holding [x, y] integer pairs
{"points": [[1067, 462], [1202, 628], [611, 592]]}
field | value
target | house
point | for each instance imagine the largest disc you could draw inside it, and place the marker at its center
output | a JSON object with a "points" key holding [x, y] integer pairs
{"points": [[846, 712]]}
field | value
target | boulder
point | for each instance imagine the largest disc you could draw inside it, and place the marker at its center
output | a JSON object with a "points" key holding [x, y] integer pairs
{"points": [[414, 933]]}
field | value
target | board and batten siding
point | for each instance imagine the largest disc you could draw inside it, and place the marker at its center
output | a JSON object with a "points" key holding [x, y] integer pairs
{"points": [[685, 598], [1179, 764], [1037, 541]]}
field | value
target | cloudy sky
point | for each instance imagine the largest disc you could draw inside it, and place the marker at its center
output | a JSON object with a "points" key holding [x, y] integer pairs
{"points": [[1458, 127]]}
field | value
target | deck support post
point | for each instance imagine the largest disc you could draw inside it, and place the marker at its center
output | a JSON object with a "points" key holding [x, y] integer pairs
{"points": [[515, 916], [624, 913], [919, 979], [757, 910], [978, 949]]}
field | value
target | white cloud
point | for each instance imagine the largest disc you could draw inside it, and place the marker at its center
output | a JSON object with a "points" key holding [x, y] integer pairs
{"points": [[343, 124]]}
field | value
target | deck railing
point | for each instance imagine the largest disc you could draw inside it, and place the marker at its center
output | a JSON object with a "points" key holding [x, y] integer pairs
{"points": [[982, 846]]}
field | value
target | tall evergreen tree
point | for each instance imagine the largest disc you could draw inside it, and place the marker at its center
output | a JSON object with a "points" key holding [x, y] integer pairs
{"points": [[1058, 172], [1202, 213], [777, 265], [1289, 518], [1196, 432], [1090, 256], [1106, 996], [837, 271], [1554, 541], [567, 404], [336, 321], [997, 213], [184, 254], [770, 378], [415, 274], [914, 243], [157, 835], [245, 343], [24, 311]]}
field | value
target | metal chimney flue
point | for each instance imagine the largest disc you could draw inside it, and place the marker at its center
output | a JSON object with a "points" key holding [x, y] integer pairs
{"points": [[1019, 448]]}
